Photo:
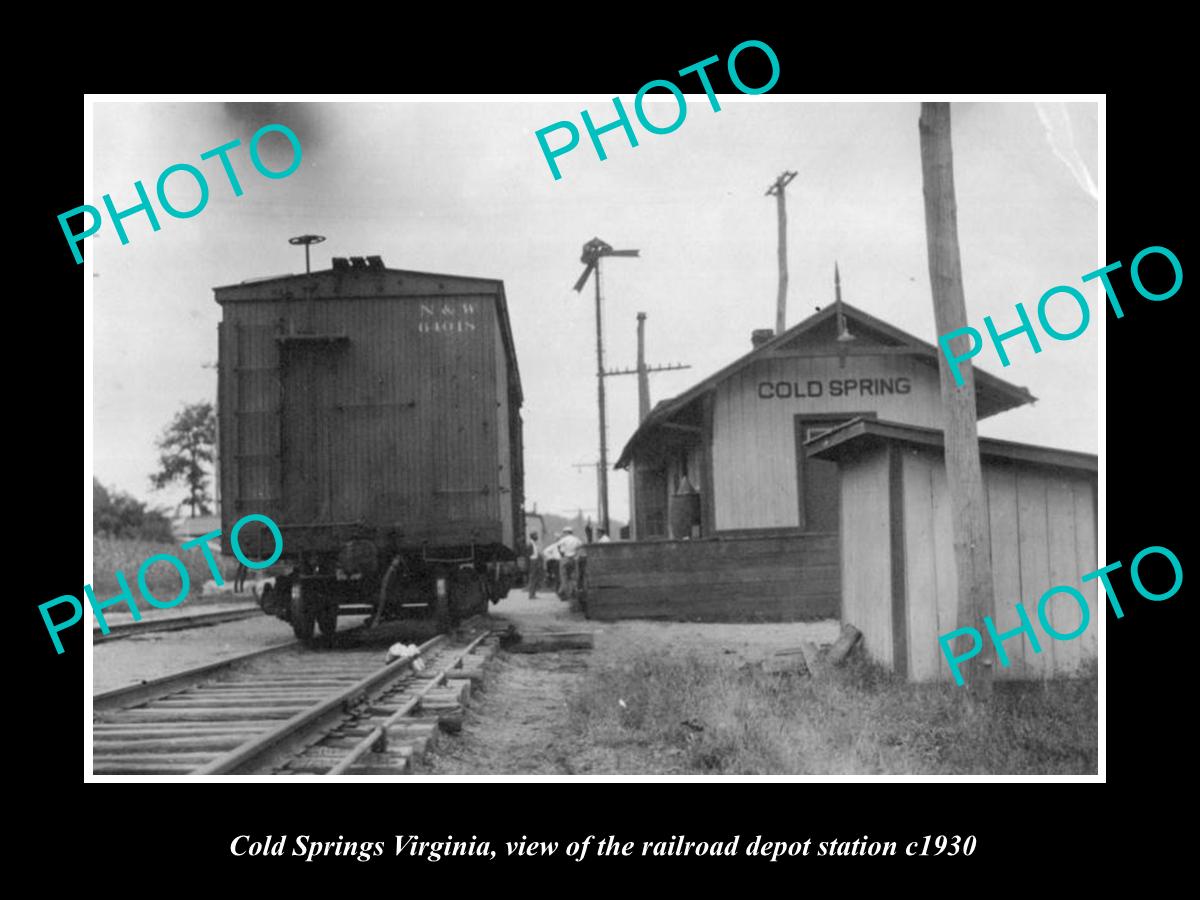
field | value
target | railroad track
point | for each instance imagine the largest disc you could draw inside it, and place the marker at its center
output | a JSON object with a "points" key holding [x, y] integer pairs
{"points": [[174, 623], [288, 710]]}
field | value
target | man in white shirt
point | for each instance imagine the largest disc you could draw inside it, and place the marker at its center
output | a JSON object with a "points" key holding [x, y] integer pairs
{"points": [[569, 547], [553, 558]]}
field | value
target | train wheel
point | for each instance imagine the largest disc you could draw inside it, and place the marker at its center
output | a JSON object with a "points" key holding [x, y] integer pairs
{"points": [[441, 609], [390, 596], [487, 592], [468, 595], [266, 599], [327, 618], [303, 618]]}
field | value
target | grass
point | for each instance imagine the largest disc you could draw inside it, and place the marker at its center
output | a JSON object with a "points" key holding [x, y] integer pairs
{"points": [[699, 716], [126, 555]]}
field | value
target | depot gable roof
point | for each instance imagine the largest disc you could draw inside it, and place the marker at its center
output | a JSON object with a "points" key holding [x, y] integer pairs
{"points": [[992, 395]]}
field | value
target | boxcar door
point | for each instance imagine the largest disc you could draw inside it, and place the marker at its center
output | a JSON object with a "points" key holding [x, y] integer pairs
{"points": [[307, 431]]}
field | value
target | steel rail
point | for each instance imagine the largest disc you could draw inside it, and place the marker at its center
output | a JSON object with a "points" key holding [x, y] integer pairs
{"points": [[256, 750], [175, 623], [380, 732], [145, 691]]}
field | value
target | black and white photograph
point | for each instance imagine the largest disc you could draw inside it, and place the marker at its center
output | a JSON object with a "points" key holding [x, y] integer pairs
{"points": [[687, 435]]}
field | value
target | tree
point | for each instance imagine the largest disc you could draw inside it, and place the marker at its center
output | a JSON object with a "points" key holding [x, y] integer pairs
{"points": [[116, 514], [186, 445]]}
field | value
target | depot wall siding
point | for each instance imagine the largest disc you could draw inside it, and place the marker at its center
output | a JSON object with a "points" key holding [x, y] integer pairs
{"points": [[865, 565], [754, 442]]}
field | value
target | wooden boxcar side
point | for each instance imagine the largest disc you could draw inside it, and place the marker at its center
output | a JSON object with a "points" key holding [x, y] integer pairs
{"points": [[367, 402]]}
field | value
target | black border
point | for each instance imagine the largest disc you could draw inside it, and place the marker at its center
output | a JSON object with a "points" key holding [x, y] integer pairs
{"points": [[183, 835]]}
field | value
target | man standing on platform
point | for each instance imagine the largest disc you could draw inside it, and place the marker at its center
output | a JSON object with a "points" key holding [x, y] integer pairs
{"points": [[568, 547], [552, 559], [536, 566]]}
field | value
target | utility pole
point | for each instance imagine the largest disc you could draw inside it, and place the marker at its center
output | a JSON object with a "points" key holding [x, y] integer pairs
{"points": [[596, 467], [643, 371], [593, 251], [969, 512], [777, 189], [643, 375]]}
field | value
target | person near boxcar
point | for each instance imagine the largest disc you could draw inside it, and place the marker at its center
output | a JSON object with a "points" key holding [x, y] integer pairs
{"points": [[552, 557], [569, 547], [536, 567]]}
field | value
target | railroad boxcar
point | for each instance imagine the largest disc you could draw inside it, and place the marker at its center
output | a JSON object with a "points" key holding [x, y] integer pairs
{"points": [[374, 415]]}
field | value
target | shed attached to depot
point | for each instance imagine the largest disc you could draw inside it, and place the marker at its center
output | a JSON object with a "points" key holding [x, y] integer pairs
{"points": [[899, 582]]}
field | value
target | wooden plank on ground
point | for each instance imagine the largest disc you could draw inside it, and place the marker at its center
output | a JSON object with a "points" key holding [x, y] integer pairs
{"points": [[550, 641]]}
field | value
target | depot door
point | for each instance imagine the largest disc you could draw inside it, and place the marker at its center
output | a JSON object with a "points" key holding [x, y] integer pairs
{"points": [[818, 481]]}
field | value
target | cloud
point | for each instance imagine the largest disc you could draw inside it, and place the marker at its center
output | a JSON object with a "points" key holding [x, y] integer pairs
{"points": [[305, 119]]}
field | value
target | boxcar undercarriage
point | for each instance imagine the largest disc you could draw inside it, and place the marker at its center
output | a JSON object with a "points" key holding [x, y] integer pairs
{"points": [[447, 585]]}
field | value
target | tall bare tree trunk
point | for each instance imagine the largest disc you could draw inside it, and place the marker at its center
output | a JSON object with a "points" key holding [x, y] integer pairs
{"points": [[969, 513]]}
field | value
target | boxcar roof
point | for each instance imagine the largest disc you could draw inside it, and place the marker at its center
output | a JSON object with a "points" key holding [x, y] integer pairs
{"points": [[850, 437], [362, 282], [353, 273]]}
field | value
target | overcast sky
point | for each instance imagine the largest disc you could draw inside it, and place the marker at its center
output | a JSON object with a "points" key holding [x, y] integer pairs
{"points": [[462, 188]]}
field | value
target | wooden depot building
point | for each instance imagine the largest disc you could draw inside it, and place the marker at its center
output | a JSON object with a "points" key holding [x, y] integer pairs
{"points": [[734, 514]]}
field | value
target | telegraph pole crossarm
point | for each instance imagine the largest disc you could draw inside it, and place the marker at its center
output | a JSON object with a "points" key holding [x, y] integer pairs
{"points": [[670, 367]]}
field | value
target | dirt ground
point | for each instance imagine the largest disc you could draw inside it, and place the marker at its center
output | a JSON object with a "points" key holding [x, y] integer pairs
{"points": [[520, 724]]}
